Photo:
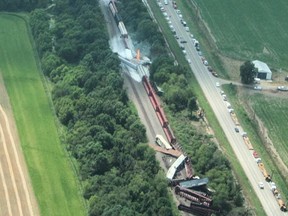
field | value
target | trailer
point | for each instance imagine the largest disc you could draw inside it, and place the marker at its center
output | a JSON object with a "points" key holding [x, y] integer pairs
{"points": [[162, 142]]}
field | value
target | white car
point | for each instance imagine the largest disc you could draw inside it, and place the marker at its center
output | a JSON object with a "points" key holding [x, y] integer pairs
{"points": [[258, 88], [189, 61], [261, 185], [217, 84]]}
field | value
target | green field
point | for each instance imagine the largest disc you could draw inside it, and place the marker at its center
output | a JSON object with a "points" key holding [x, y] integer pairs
{"points": [[53, 179], [249, 29], [273, 112]]}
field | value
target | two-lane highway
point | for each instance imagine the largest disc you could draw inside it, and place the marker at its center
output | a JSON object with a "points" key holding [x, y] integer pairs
{"points": [[212, 93]]}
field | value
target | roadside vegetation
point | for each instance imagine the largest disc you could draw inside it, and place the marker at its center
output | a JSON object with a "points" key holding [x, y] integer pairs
{"points": [[119, 173], [53, 180], [180, 104], [250, 126]]}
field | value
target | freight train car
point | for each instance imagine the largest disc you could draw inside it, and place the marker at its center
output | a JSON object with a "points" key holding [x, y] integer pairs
{"points": [[112, 8], [122, 30], [118, 19]]}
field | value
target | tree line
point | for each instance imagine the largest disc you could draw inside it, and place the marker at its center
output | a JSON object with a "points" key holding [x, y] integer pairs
{"points": [[103, 132], [22, 5]]}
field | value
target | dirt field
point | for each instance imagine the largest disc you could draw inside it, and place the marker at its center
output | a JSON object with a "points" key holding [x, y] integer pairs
{"points": [[17, 197]]}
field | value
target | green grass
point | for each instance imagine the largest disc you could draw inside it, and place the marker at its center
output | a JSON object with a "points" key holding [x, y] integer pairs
{"points": [[213, 122], [251, 128], [53, 179], [273, 112], [249, 29]]}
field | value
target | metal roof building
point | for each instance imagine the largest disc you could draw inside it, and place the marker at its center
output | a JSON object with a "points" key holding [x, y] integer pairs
{"points": [[264, 71]]}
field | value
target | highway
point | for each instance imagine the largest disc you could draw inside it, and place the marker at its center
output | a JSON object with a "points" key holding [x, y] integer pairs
{"points": [[212, 93]]}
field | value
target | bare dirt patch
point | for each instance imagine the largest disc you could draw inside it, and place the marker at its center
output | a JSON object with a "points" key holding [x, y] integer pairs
{"points": [[17, 196]]}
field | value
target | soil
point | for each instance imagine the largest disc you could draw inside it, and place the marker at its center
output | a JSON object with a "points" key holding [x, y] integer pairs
{"points": [[17, 196]]}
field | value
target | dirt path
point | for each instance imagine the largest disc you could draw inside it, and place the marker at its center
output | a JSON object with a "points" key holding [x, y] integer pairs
{"points": [[17, 197]]}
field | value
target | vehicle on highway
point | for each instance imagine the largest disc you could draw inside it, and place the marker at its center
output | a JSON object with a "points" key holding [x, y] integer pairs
{"points": [[236, 130], [162, 9], [198, 48], [261, 185], [166, 2], [176, 37], [214, 74], [189, 61], [210, 68], [205, 62], [184, 51], [258, 88], [191, 35], [183, 41], [178, 11], [217, 84], [282, 88]]}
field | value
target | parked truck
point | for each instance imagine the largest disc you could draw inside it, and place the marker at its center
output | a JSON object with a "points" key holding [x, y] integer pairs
{"points": [[282, 205], [264, 172]]}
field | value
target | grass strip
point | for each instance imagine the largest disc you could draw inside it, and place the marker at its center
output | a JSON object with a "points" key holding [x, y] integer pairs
{"points": [[54, 183]]}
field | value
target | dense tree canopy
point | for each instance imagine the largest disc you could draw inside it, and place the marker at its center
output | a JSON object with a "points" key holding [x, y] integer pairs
{"points": [[248, 72], [120, 175], [20, 5]]}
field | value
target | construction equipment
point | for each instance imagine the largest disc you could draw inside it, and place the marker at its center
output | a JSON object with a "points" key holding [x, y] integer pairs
{"points": [[282, 205], [264, 172], [247, 141], [234, 117]]}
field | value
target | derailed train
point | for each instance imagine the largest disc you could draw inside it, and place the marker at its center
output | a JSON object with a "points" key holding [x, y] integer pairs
{"points": [[118, 19]]}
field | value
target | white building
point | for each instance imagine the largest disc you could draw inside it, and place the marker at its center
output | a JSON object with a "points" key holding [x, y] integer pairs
{"points": [[264, 71]]}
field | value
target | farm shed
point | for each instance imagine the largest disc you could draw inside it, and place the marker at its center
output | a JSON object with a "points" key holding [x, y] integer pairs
{"points": [[264, 71]]}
